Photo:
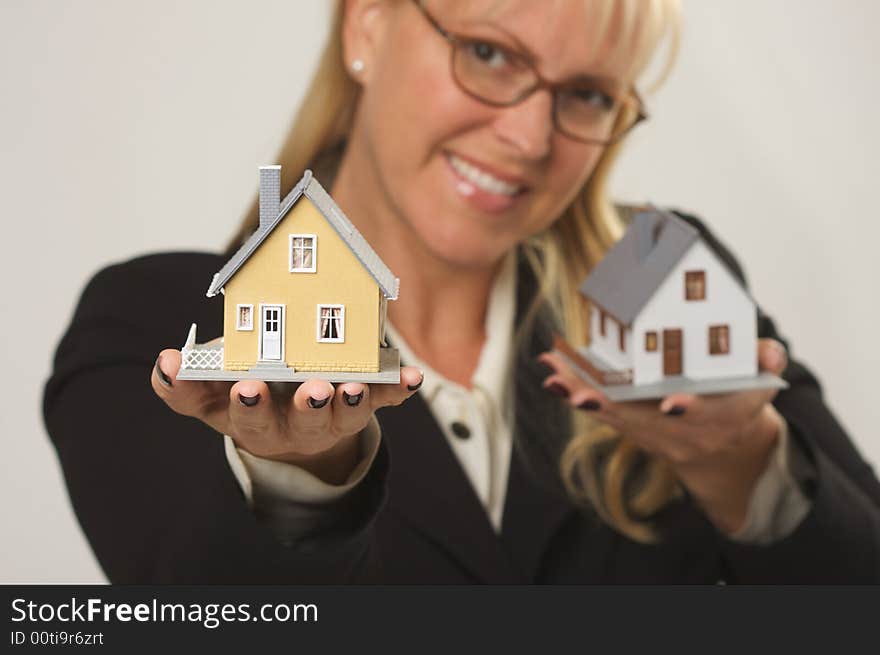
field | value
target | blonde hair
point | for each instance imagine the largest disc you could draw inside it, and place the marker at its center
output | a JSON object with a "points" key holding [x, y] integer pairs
{"points": [[598, 465]]}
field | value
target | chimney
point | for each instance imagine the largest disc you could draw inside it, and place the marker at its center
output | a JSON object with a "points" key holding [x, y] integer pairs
{"points": [[270, 194]]}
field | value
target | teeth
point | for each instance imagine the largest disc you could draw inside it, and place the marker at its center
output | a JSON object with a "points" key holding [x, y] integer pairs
{"points": [[481, 178]]}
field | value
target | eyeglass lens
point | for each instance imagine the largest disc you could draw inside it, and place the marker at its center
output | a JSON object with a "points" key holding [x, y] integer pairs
{"points": [[497, 76]]}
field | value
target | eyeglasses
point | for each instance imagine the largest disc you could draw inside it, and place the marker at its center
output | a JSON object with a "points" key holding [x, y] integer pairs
{"points": [[591, 110]]}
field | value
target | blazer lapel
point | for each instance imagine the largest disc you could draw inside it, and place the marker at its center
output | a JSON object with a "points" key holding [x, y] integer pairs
{"points": [[536, 503], [429, 489], [532, 516]]}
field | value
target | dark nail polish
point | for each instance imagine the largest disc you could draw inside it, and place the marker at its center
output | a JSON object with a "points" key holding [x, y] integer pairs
{"points": [[352, 401], [544, 370], [590, 405], [675, 410], [318, 404], [416, 387], [164, 379], [558, 390], [248, 401]]}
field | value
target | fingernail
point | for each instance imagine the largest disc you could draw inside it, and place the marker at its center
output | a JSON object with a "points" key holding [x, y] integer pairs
{"points": [[781, 355], [164, 379], [418, 385], [248, 401], [352, 401], [773, 357], [557, 390], [318, 404], [544, 369], [590, 405], [675, 410]]}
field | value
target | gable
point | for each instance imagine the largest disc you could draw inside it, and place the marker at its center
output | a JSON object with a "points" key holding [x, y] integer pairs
{"points": [[308, 188], [724, 296], [334, 268], [630, 274]]}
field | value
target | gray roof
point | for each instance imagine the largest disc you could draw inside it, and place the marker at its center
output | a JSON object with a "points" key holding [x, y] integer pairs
{"points": [[629, 274], [309, 187]]}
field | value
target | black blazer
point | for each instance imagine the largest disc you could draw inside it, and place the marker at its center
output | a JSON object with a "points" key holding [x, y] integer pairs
{"points": [[158, 502]]}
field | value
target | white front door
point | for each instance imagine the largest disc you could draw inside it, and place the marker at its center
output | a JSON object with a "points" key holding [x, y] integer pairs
{"points": [[271, 330]]}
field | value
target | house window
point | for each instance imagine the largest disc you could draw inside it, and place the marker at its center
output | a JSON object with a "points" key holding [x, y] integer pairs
{"points": [[695, 285], [622, 332], [602, 322], [651, 342], [719, 340], [244, 317], [302, 253], [331, 323]]}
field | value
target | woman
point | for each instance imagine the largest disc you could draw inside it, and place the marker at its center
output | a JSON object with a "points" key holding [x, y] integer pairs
{"points": [[470, 142]]}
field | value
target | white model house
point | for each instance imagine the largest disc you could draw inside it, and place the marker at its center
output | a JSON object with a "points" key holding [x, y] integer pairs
{"points": [[663, 305]]}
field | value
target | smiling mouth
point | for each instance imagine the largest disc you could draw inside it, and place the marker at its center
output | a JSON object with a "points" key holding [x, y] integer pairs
{"points": [[482, 179]]}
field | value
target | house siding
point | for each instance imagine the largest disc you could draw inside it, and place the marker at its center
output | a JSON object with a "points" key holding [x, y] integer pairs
{"points": [[339, 279], [607, 348], [726, 303]]}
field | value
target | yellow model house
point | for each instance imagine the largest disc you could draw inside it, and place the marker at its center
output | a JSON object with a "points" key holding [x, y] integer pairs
{"points": [[304, 297]]}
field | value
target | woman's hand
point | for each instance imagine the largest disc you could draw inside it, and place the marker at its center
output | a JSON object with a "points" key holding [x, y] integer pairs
{"points": [[315, 427], [718, 445]]}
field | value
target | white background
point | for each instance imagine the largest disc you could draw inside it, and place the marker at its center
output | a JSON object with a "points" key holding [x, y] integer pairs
{"points": [[129, 127]]}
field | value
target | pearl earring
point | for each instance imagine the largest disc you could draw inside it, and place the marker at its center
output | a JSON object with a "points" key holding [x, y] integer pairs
{"points": [[357, 65]]}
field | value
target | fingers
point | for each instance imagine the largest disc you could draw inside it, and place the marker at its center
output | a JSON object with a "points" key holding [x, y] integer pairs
{"points": [[164, 374], [386, 395], [206, 401], [309, 421], [679, 404], [570, 386], [738, 405], [311, 406], [680, 427], [351, 408], [565, 383], [252, 412], [699, 427], [280, 421], [772, 356]]}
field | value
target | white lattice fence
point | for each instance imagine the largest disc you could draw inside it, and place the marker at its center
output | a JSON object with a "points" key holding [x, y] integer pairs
{"points": [[203, 359]]}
